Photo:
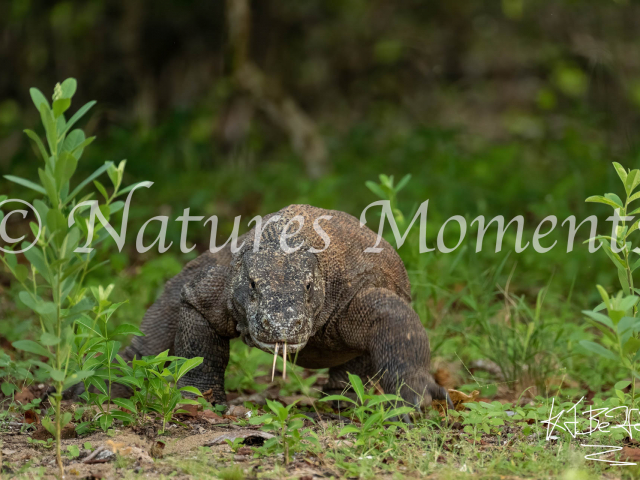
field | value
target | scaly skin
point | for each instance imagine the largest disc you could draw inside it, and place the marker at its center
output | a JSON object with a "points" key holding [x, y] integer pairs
{"points": [[341, 308]]}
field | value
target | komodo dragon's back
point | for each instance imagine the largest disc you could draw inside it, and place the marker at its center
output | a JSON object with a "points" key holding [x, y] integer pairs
{"points": [[345, 266]]}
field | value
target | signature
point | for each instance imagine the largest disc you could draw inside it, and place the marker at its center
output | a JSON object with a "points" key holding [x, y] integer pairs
{"points": [[597, 423]]}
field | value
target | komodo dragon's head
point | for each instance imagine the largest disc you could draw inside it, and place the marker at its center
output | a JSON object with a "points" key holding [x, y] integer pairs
{"points": [[277, 294]]}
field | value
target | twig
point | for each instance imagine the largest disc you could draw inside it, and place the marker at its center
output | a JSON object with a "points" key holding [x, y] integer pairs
{"points": [[94, 454]]}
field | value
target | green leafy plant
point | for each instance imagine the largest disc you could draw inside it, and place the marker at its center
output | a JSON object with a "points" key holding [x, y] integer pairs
{"points": [[378, 423], [286, 425], [386, 190], [235, 444], [155, 385], [523, 341], [297, 384], [12, 374], [48, 443], [484, 418], [52, 285], [73, 451], [619, 326], [95, 350], [619, 248], [245, 364], [22, 408], [619, 323]]}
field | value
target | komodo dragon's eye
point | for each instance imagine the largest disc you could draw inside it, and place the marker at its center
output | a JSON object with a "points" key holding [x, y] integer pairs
{"points": [[308, 287], [253, 285]]}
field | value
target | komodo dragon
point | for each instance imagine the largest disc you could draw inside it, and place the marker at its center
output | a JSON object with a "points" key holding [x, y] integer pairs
{"points": [[339, 308]]}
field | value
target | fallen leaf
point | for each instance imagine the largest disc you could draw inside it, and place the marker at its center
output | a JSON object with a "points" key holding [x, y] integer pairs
{"points": [[189, 410], [130, 451], [30, 416], [458, 398], [24, 396], [209, 414], [212, 417], [244, 451], [208, 395], [344, 443], [627, 454], [115, 447]]}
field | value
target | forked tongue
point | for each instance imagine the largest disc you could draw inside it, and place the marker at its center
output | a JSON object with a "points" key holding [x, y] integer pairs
{"points": [[273, 369], [284, 359]]}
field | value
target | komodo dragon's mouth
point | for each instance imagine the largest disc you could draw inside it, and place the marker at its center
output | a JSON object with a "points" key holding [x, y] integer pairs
{"points": [[274, 347]]}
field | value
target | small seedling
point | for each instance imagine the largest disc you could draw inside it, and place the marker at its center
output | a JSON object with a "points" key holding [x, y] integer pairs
{"points": [[287, 428], [73, 451], [235, 444], [373, 415]]}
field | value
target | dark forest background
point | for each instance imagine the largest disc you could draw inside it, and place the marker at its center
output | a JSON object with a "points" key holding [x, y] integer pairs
{"points": [[240, 108]]}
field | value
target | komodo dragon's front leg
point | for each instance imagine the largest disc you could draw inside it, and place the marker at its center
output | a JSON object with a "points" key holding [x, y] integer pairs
{"points": [[197, 338], [383, 326], [204, 331]]}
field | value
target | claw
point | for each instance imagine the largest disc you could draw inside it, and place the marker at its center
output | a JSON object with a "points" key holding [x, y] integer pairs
{"points": [[273, 369], [450, 403]]}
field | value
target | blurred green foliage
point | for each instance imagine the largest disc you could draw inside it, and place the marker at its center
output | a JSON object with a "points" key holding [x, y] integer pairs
{"points": [[495, 108]]}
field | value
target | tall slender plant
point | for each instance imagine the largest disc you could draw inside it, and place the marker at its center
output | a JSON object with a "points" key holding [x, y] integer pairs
{"points": [[619, 323], [52, 284]]}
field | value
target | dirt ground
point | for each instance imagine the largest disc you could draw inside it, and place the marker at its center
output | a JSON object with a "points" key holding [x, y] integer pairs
{"points": [[194, 447], [139, 451]]}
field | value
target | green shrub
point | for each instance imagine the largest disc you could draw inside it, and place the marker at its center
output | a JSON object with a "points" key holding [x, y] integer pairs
{"points": [[75, 337], [620, 323]]}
